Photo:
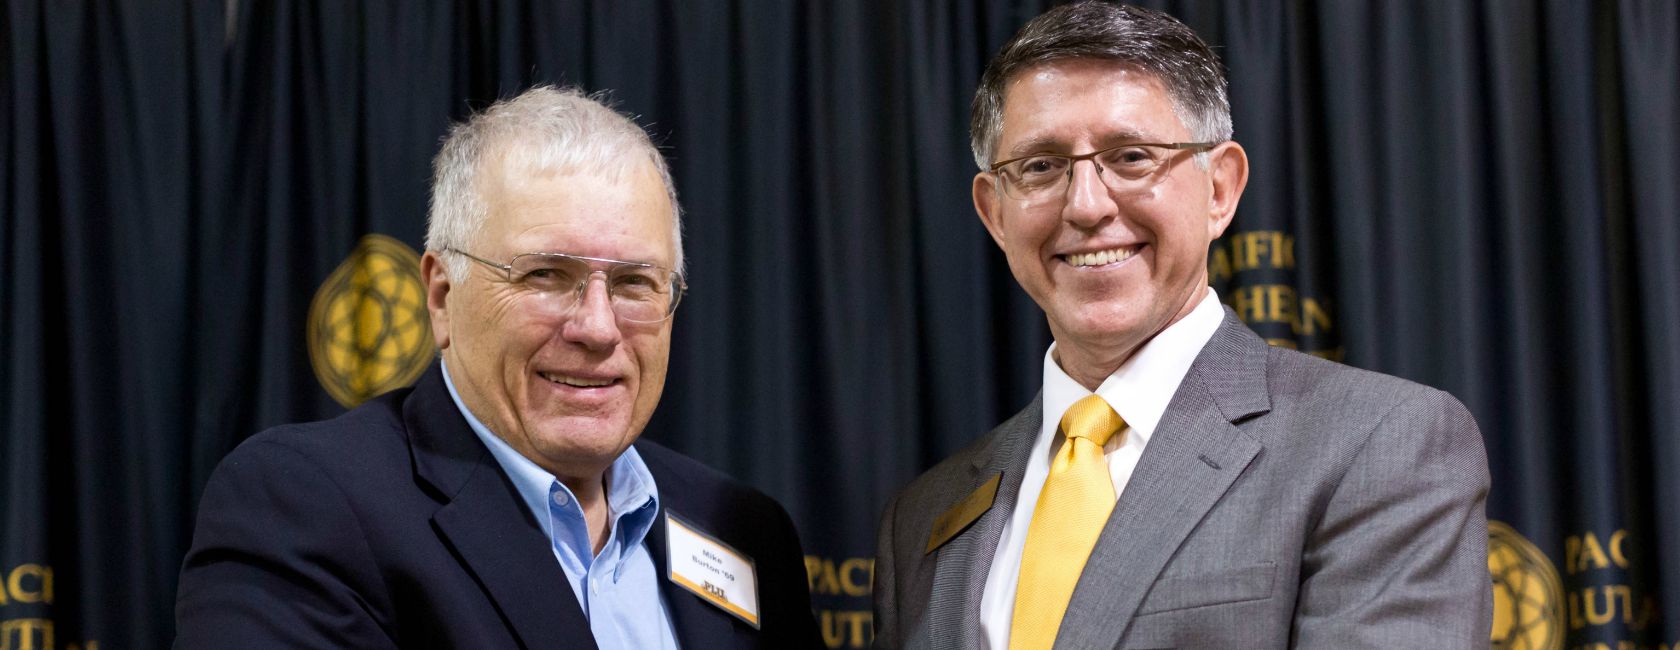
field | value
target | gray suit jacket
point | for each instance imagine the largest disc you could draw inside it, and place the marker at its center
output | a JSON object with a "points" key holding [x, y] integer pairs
{"points": [[1283, 501]]}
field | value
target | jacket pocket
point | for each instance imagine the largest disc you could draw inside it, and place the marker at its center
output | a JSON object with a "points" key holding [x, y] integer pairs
{"points": [[1175, 592]]}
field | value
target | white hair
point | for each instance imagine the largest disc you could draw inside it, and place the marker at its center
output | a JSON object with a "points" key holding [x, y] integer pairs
{"points": [[543, 130]]}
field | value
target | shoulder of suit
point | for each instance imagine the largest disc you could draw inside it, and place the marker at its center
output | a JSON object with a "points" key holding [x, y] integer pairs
{"points": [[675, 470], [367, 438], [730, 510], [959, 463], [1294, 377], [957, 468]]}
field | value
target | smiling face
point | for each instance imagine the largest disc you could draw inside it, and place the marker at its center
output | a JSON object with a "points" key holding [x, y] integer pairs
{"points": [[1109, 268], [569, 390]]}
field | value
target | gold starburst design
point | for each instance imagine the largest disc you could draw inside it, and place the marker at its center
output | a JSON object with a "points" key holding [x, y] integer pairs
{"points": [[368, 328], [1527, 594]]}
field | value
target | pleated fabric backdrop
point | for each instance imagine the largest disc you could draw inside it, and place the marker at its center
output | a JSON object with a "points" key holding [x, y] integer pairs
{"points": [[1478, 196]]}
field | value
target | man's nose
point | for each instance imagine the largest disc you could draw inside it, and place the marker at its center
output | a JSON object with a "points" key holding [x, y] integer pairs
{"points": [[592, 322], [1089, 201]]}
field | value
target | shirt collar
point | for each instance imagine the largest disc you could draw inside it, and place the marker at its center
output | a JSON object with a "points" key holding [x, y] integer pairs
{"points": [[1141, 388], [632, 497], [630, 486]]}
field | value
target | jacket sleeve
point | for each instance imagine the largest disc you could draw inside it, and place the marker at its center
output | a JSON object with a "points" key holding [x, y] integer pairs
{"points": [[886, 615], [789, 597], [1400, 555], [278, 560]]}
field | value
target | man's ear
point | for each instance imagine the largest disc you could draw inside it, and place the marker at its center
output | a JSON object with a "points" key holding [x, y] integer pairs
{"points": [[986, 204], [435, 274], [1228, 166]]}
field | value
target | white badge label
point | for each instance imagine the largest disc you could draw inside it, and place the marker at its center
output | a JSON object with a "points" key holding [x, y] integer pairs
{"points": [[711, 569]]}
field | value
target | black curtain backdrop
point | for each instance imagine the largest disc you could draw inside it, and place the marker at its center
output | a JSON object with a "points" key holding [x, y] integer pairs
{"points": [[1484, 197]]}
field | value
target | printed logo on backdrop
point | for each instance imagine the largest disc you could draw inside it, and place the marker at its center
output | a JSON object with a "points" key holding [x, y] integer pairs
{"points": [[1255, 274], [1527, 594], [368, 327], [1591, 608], [1605, 610], [26, 594], [840, 593]]}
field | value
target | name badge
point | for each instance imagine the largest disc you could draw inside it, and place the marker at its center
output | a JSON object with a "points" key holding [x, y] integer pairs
{"points": [[712, 570], [957, 519]]}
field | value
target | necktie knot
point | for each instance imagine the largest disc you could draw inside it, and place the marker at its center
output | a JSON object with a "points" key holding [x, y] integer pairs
{"points": [[1091, 418], [1072, 508]]}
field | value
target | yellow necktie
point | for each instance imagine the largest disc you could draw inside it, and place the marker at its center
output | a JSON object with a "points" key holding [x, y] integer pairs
{"points": [[1077, 498]]}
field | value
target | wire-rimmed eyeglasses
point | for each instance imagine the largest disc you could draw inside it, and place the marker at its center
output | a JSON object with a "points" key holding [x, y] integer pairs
{"points": [[639, 292], [1121, 168]]}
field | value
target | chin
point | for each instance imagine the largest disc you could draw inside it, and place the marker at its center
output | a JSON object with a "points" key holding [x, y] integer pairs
{"points": [[1107, 318], [574, 439]]}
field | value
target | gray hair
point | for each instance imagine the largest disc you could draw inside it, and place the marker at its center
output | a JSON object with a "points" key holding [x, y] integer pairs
{"points": [[544, 129], [1148, 40]]}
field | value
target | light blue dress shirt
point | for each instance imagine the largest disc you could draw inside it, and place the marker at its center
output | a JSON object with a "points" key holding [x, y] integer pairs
{"points": [[618, 588]]}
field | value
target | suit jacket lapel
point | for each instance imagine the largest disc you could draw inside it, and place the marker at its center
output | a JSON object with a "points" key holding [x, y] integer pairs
{"points": [[487, 524], [959, 579], [1195, 454], [698, 623]]}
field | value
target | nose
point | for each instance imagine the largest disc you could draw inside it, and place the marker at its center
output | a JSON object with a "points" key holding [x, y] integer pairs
{"points": [[592, 322], [1089, 201]]}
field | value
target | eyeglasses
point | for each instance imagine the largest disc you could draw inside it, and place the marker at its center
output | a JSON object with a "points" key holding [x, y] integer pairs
{"points": [[1126, 167], [640, 293]]}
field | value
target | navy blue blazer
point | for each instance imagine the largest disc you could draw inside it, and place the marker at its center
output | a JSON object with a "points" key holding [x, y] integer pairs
{"points": [[393, 526]]}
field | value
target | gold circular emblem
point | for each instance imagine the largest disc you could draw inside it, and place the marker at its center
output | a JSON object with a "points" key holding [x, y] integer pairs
{"points": [[368, 327], [1527, 594]]}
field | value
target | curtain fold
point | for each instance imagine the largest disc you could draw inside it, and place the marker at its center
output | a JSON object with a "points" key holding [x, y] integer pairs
{"points": [[1477, 196]]}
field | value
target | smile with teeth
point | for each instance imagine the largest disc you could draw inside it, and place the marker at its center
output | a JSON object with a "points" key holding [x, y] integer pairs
{"points": [[579, 382], [1100, 258]]}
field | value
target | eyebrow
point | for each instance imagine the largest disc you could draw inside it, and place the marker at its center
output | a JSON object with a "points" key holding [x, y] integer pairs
{"points": [[1052, 144]]}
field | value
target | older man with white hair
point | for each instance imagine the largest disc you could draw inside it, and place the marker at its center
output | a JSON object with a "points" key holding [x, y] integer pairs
{"points": [[504, 500]]}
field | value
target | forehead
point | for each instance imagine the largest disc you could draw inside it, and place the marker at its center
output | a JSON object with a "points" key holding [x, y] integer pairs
{"points": [[617, 214], [1079, 103]]}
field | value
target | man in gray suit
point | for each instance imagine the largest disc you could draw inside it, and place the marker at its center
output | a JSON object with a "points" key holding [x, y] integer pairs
{"points": [[1178, 482]]}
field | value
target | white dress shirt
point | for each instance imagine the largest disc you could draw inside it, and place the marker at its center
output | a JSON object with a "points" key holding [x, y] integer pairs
{"points": [[1139, 391]]}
